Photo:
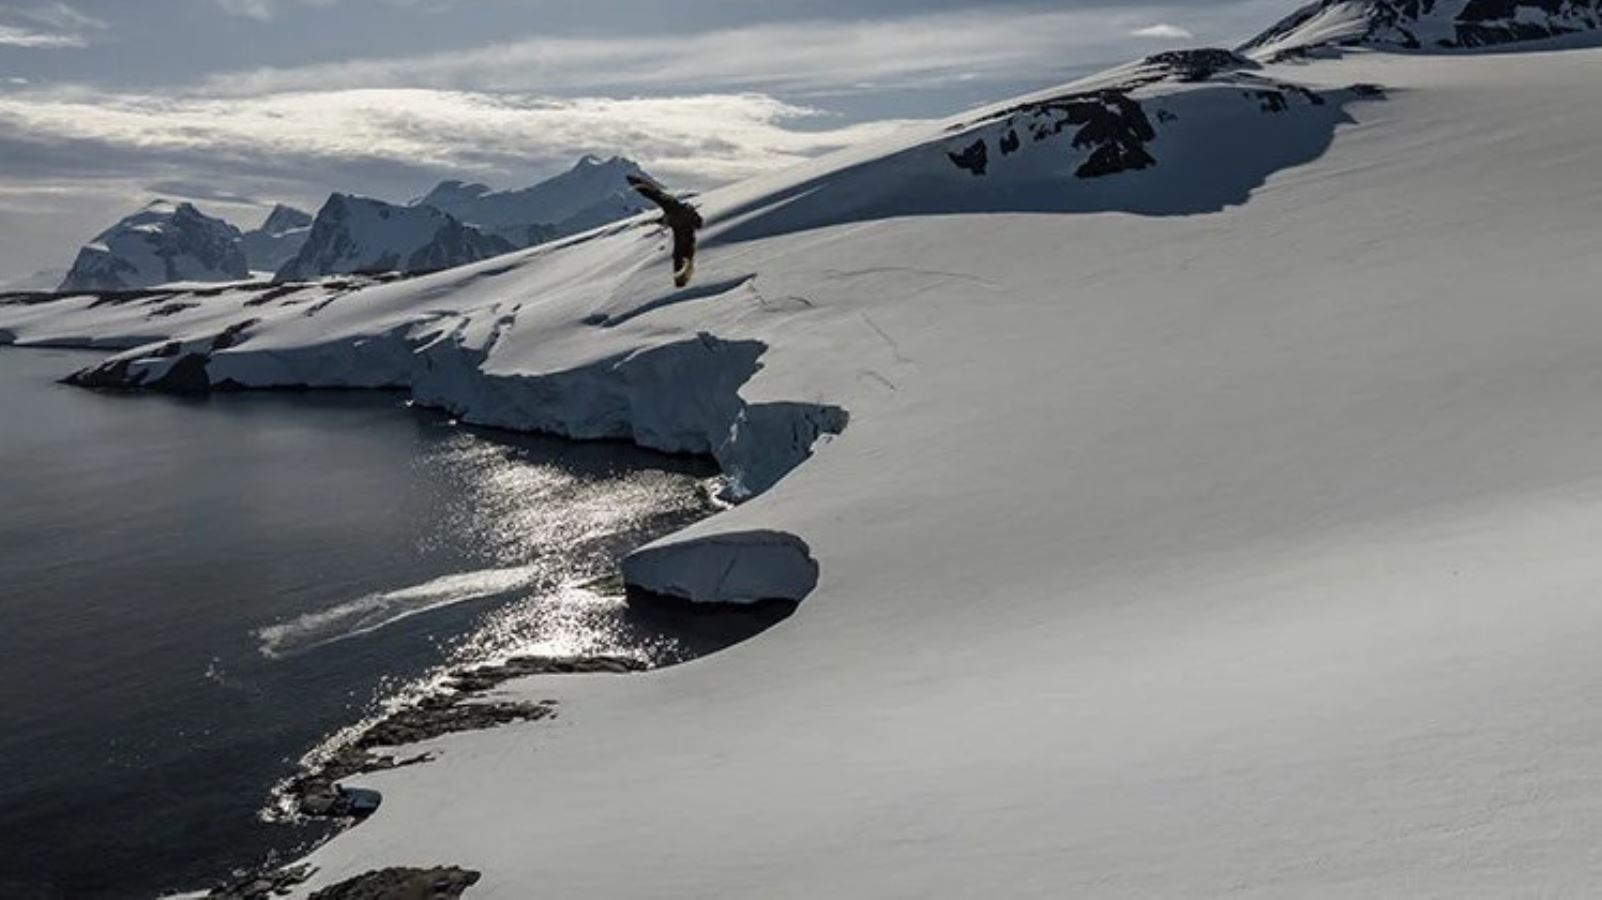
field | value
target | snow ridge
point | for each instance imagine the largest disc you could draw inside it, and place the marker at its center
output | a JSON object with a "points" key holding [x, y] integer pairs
{"points": [[1419, 24]]}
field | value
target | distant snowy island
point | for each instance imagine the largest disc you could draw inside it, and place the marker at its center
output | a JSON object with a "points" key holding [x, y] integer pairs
{"points": [[169, 243], [1186, 481]]}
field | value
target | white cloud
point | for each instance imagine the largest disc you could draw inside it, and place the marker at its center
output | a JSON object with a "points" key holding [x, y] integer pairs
{"points": [[265, 9], [1162, 31], [15, 36], [707, 138], [921, 50], [47, 25], [255, 9]]}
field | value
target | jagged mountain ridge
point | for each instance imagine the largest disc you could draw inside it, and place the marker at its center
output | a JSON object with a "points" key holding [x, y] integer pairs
{"points": [[1423, 24], [362, 235]]}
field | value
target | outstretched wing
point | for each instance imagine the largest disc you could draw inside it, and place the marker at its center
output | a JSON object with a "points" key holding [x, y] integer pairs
{"points": [[650, 190]]}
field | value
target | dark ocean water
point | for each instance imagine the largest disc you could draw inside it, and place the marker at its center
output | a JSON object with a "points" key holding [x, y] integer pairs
{"points": [[194, 592]]}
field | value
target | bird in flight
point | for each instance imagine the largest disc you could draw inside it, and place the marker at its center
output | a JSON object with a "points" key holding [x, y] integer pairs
{"points": [[681, 218]]}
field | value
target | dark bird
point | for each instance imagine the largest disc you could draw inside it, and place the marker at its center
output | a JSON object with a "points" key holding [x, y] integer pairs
{"points": [[679, 216]]}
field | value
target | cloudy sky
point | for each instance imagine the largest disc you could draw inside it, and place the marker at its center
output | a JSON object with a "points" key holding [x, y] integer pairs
{"points": [[235, 104]]}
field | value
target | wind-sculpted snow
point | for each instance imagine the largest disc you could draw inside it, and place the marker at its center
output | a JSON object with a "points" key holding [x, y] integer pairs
{"points": [[1423, 24], [1191, 123]]}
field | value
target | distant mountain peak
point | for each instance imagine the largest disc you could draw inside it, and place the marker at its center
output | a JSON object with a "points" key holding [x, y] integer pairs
{"points": [[359, 234], [593, 192], [285, 218], [163, 242], [278, 239]]}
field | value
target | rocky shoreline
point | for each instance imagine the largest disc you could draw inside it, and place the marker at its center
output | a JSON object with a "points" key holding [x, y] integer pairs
{"points": [[438, 883], [317, 791]]}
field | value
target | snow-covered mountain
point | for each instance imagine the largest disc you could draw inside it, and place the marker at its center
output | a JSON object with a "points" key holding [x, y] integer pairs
{"points": [[593, 193], [360, 234], [1414, 24], [162, 243], [278, 240], [1188, 476]]}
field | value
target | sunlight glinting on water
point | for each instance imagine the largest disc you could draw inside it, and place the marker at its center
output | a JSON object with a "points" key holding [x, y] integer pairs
{"points": [[544, 530], [548, 539]]}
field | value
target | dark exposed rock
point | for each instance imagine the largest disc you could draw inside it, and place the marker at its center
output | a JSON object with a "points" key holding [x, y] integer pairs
{"points": [[440, 883], [186, 376], [1010, 142], [975, 157], [170, 309], [275, 293], [1269, 101], [233, 335], [1110, 123], [439, 715], [317, 792], [112, 375], [483, 678], [1197, 64]]}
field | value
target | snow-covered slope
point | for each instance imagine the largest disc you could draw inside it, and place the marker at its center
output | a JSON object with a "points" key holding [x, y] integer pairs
{"points": [[278, 240], [164, 242], [1205, 474], [593, 193], [360, 234], [1414, 24]]}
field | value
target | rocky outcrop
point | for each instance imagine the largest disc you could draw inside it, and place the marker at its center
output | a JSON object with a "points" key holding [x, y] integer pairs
{"points": [[1109, 127], [439, 883], [457, 706]]}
